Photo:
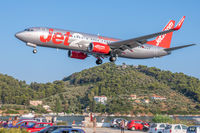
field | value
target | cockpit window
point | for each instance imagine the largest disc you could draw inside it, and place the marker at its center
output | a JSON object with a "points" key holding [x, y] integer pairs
{"points": [[28, 30]]}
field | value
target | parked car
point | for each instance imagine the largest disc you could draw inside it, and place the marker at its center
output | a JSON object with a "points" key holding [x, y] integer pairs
{"points": [[116, 122], [157, 127], [25, 124], [136, 125], [68, 130], [38, 126], [193, 129], [52, 128], [41, 119], [175, 128]]}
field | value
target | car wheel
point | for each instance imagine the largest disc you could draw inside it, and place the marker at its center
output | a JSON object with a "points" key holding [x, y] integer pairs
{"points": [[133, 128]]}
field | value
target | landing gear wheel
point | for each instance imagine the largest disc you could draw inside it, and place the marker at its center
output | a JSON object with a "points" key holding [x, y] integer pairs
{"points": [[113, 58], [34, 51], [99, 61]]}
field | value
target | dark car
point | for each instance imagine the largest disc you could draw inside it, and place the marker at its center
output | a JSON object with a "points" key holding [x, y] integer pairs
{"points": [[69, 130], [52, 128]]}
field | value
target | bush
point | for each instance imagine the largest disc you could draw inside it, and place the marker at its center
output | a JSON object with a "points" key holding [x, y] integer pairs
{"points": [[62, 123], [12, 130], [162, 119], [9, 111]]}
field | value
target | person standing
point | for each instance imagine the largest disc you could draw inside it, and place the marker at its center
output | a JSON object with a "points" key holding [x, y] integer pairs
{"points": [[94, 124], [15, 121], [10, 122], [102, 120], [122, 125]]}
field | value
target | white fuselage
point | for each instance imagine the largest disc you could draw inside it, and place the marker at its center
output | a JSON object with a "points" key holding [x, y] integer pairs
{"points": [[77, 41]]}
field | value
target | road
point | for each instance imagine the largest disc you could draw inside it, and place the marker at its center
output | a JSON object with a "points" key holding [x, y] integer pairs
{"points": [[109, 130]]}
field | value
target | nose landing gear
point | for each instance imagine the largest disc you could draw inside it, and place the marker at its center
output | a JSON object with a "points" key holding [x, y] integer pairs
{"points": [[34, 51]]}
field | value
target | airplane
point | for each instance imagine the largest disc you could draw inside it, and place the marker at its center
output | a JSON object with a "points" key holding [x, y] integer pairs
{"points": [[81, 45]]}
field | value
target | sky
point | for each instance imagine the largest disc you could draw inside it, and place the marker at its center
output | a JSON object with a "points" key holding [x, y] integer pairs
{"points": [[114, 18]]}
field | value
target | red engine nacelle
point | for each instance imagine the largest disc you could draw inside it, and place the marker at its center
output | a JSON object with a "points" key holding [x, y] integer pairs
{"points": [[77, 55], [97, 47]]}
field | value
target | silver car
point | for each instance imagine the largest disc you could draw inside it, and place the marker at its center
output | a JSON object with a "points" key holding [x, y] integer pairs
{"points": [[175, 128], [157, 128], [116, 122]]}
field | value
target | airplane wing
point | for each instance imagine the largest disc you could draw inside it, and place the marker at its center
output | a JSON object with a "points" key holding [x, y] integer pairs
{"points": [[179, 47], [120, 46]]}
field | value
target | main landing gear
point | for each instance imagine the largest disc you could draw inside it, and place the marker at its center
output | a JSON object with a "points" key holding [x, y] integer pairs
{"points": [[34, 50], [99, 61], [113, 58]]}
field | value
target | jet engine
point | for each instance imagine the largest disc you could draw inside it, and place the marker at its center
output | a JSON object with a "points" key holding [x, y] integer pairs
{"points": [[97, 47], [77, 55]]}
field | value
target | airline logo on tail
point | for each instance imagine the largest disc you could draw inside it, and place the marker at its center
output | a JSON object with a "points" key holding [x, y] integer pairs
{"points": [[159, 39], [164, 40]]}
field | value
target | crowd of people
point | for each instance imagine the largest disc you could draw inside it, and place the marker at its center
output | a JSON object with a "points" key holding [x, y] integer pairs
{"points": [[11, 122]]}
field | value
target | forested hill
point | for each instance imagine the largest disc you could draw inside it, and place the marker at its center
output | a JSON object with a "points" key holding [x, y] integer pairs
{"points": [[75, 93], [118, 82], [114, 80]]}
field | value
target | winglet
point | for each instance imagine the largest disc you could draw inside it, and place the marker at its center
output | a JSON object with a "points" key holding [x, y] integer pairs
{"points": [[180, 23]]}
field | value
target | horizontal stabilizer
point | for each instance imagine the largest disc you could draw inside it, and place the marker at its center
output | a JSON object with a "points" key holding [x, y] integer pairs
{"points": [[179, 47]]}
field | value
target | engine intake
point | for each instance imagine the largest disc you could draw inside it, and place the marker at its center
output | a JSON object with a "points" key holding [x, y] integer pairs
{"points": [[77, 55], [97, 47]]}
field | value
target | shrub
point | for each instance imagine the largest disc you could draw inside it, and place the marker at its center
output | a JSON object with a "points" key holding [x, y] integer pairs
{"points": [[162, 118], [12, 130], [9, 111]]}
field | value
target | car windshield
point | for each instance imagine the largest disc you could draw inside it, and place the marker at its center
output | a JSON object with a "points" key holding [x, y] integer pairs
{"points": [[168, 127], [162, 126], [30, 124], [129, 122], [153, 125], [192, 129]]}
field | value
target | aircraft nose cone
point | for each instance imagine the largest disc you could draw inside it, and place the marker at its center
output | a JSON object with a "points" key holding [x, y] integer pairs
{"points": [[19, 35]]}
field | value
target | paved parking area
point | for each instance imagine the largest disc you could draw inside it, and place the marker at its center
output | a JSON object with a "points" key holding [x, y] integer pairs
{"points": [[109, 130]]}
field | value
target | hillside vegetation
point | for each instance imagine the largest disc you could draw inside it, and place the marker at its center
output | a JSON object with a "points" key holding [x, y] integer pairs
{"points": [[74, 94]]}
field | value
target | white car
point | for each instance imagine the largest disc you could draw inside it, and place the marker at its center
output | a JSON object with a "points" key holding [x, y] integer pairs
{"points": [[175, 128], [157, 127], [193, 129], [116, 122]]}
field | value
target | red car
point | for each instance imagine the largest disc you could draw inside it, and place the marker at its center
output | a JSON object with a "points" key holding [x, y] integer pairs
{"points": [[38, 126], [136, 125]]}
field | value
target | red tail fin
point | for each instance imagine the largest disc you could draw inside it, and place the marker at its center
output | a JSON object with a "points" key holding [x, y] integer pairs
{"points": [[164, 40]]}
